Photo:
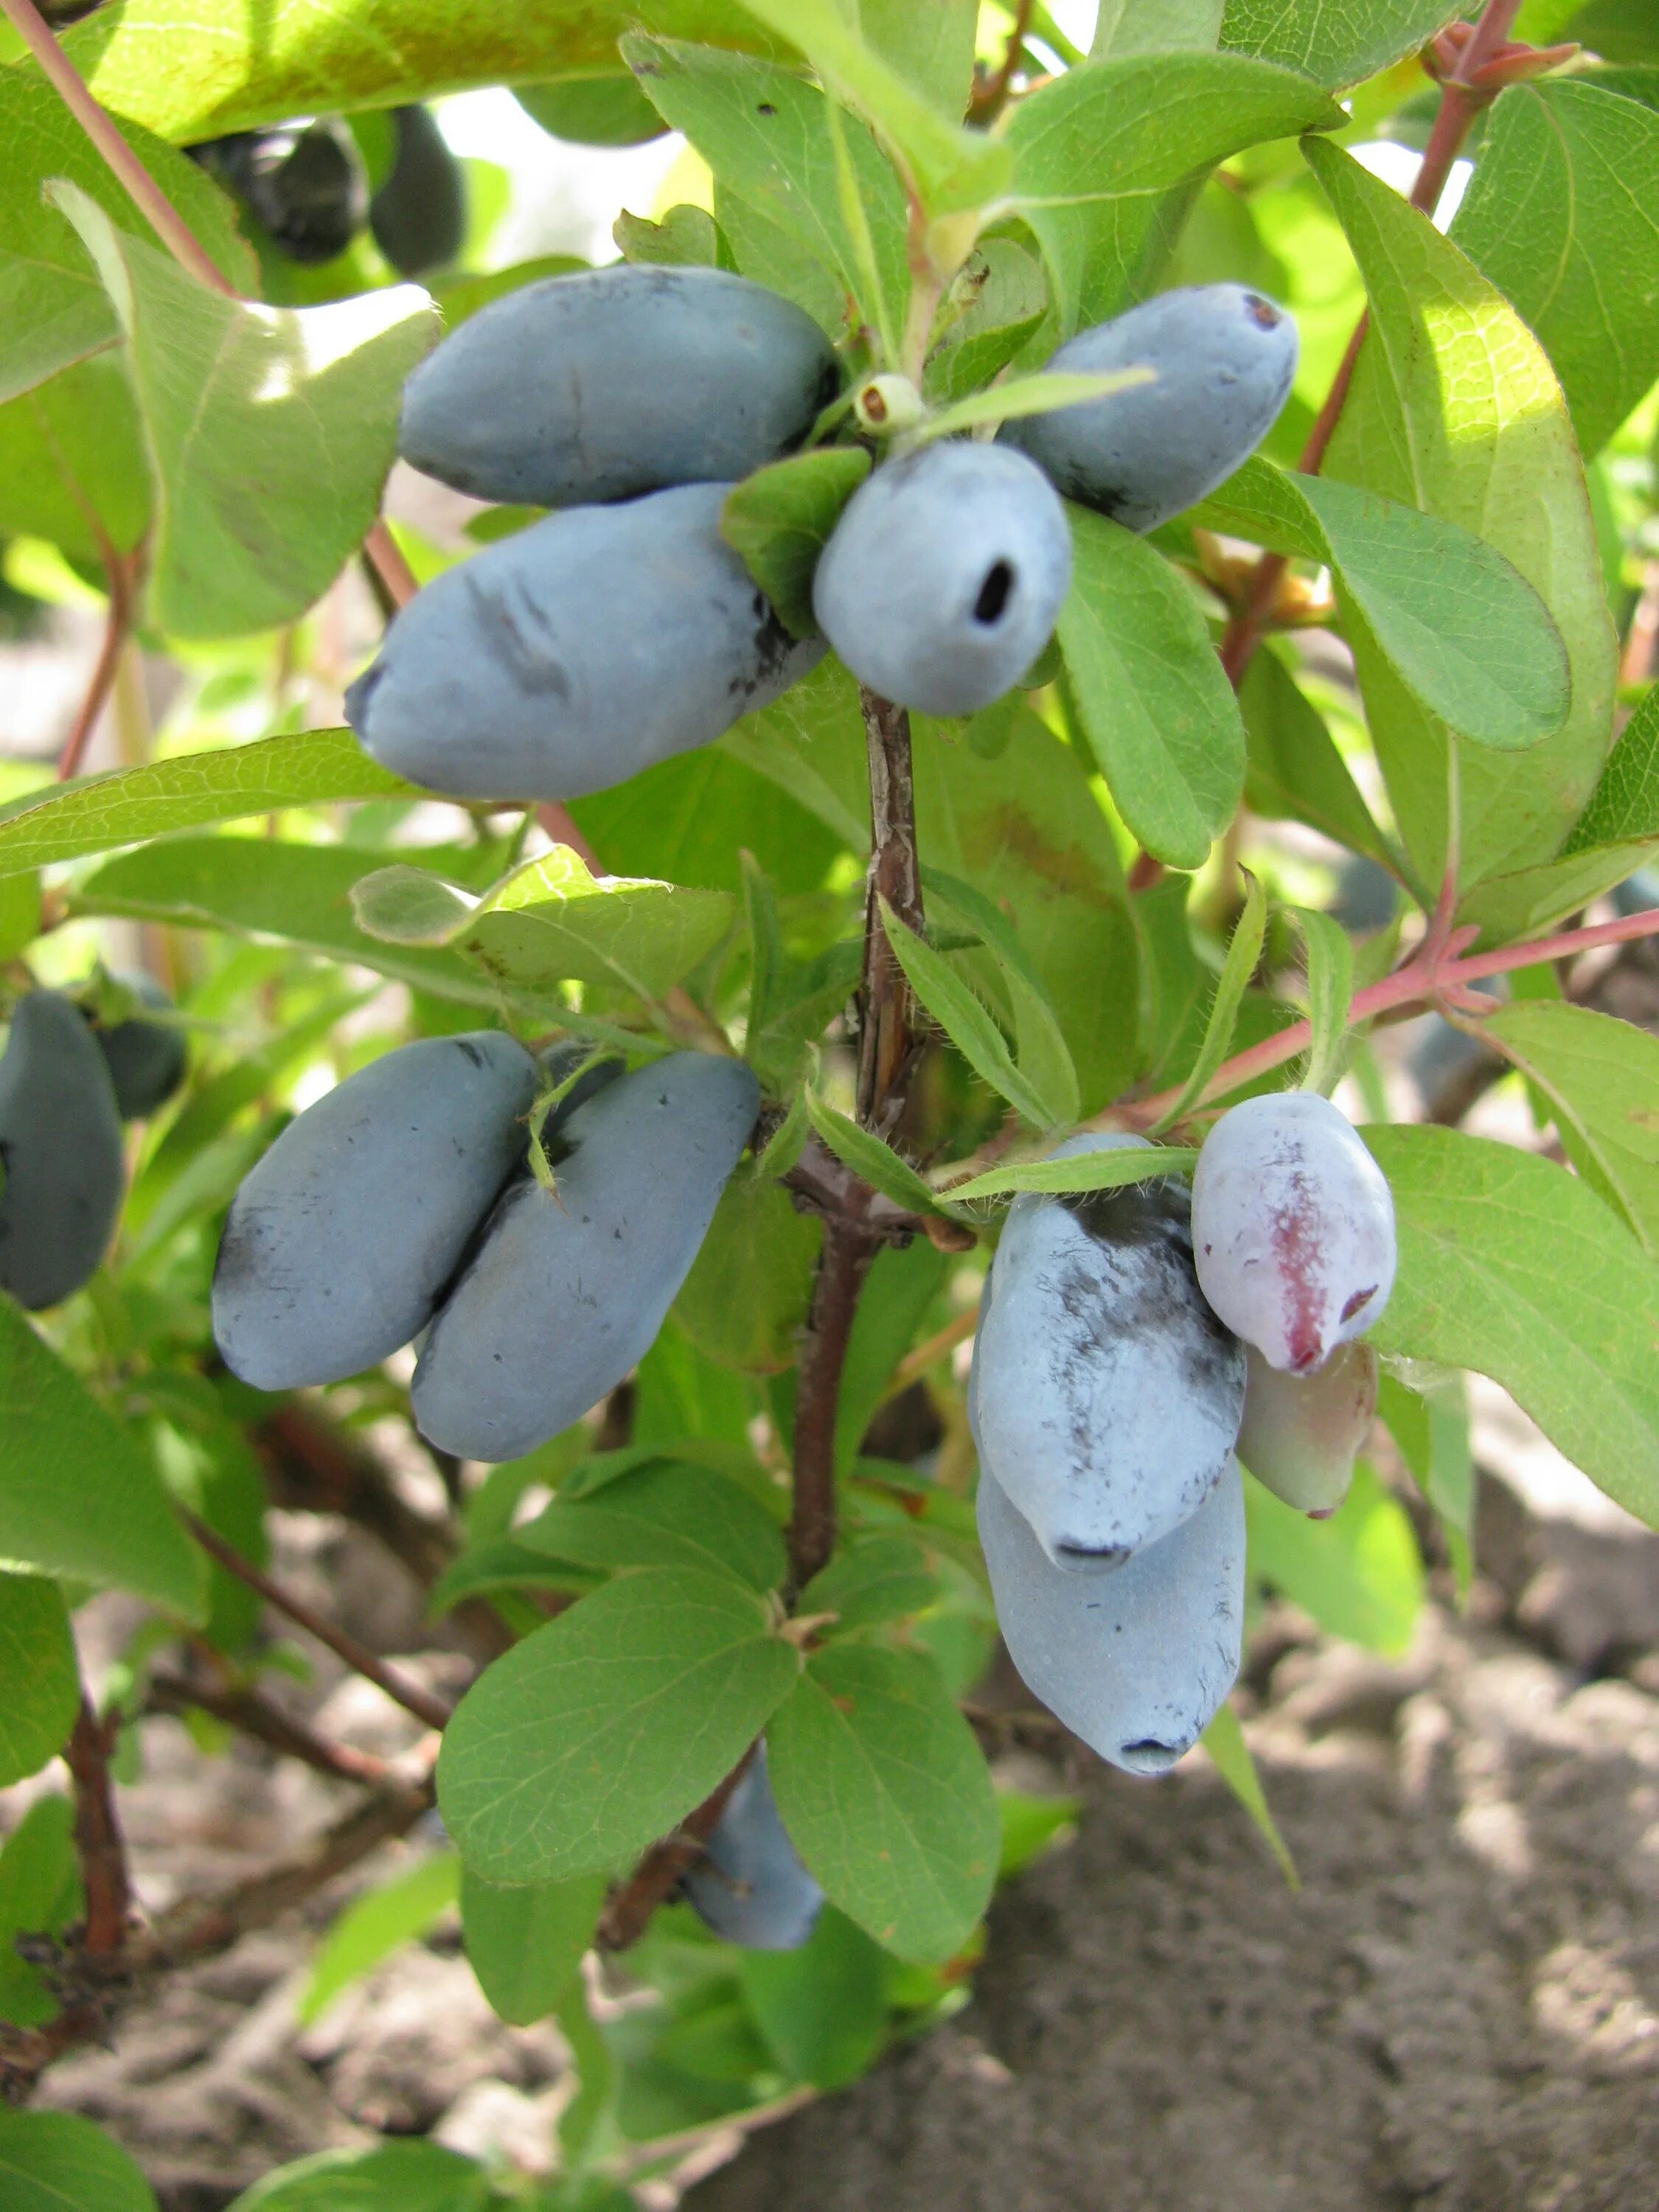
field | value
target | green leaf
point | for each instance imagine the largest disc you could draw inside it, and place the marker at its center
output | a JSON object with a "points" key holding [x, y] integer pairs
{"points": [[1433, 1433], [899, 1292], [1564, 195], [931, 47], [498, 1566], [1294, 769], [1359, 1574], [53, 310], [1045, 1059], [952, 169], [1453, 409], [40, 1894], [665, 1515], [779, 519], [869, 1156], [260, 886], [376, 1925], [1155, 27], [1080, 1171], [59, 2162], [1092, 143], [593, 107], [550, 921], [1466, 634], [1330, 992], [1151, 695], [1224, 1740], [1243, 956], [1008, 304], [1028, 395], [79, 1496], [1624, 808], [40, 1678], [186, 791], [195, 69], [1330, 40], [964, 1020], [689, 820], [764, 132], [392, 2177], [1601, 1077], [1029, 1825], [879, 1577], [593, 1736], [686, 238], [270, 430], [886, 1798], [823, 2010], [524, 1944], [72, 467], [1515, 1268], [745, 1300]]}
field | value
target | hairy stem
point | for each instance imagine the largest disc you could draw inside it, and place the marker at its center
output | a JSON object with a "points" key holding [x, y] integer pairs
{"points": [[98, 1841], [431, 1710]]}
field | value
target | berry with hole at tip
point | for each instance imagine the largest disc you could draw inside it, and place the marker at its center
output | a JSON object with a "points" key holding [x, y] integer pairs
{"points": [[941, 582], [568, 657], [60, 1148], [1137, 1662], [340, 1242], [1293, 1228], [565, 1289], [617, 381], [1105, 1395], [1225, 359]]}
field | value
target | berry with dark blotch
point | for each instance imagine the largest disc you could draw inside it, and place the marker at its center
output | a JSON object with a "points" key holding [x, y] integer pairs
{"points": [[617, 381], [570, 656], [60, 1148], [1137, 1662], [942, 580], [418, 215], [1292, 1228], [749, 1886], [1224, 360], [1301, 1433], [567, 1289], [1105, 1395], [303, 183], [146, 1060], [340, 1242]]}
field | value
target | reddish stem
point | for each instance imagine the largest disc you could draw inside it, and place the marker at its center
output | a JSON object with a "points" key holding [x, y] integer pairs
{"points": [[118, 624], [1414, 982], [98, 1840]]}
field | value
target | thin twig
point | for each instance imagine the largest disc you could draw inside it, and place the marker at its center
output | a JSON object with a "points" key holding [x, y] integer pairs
{"points": [[848, 1249], [655, 1879], [313, 1467], [169, 226], [894, 876], [915, 1364], [361, 1661], [258, 1717], [118, 624], [98, 1841], [990, 98]]}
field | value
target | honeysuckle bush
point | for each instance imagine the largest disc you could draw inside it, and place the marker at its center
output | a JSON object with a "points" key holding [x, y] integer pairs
{"points": [[939, 946]]}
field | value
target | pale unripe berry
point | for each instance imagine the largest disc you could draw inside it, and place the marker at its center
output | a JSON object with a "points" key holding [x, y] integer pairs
{"points": [[1292, 1228], [1301, 1433]]}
